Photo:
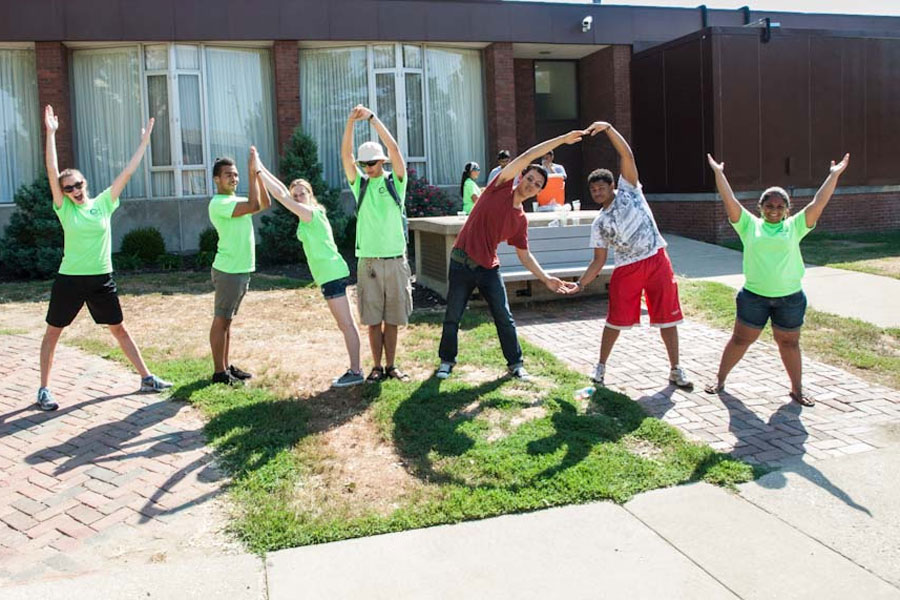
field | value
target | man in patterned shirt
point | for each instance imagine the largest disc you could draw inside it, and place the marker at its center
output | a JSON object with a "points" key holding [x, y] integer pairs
{"points": [[642, 265]]}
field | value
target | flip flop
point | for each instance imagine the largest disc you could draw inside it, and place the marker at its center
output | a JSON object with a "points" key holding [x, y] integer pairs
{"points": [[802, 399], [714, 388]]}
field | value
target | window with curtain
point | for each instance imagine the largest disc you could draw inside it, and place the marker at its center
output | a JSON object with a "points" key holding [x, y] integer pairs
{"points": [[239, 105], [455, 110], [108, 116], [332, 81], [20, 122], [393, 79]]}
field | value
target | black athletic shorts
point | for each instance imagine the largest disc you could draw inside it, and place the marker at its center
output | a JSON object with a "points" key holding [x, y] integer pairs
{"points": [[71, 292]]}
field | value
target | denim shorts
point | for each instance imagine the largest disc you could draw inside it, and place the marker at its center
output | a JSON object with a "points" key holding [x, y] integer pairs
{"points": [[336, 288], [786, 312]]}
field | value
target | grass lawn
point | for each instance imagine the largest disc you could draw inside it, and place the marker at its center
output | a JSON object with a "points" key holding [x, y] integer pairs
{"points": [[876, 253], [864, 349], [310, 464]]}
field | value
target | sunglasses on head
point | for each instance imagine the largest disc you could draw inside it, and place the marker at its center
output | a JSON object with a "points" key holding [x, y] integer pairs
{"points": [[75, 186], [367, 163]]}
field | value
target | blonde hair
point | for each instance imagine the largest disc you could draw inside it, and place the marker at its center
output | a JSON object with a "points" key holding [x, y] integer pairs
{"points": [[304, 183]]}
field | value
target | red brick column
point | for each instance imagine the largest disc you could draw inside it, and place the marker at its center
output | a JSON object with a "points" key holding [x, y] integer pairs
{"points": [[499, 79], [287, 89], [604, 81], [52, 64], [525, 124]]}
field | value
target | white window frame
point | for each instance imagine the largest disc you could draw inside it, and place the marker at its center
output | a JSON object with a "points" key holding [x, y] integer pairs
{"points": [[399, 71], [172, 72]]}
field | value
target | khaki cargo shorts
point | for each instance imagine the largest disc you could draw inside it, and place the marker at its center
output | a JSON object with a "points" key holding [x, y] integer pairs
{"points": [[384, 290], [230, 290]]}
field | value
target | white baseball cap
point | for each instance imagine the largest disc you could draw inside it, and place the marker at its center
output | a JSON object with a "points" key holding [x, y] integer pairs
{"points": [[370, 151]]}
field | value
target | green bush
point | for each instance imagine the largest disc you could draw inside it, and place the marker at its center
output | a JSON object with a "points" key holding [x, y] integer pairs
{"points": [[145, 243], [126, 262], [205, 258], [278, 233], [32, 246], [209, 240], [170, 262], [426, 200]]}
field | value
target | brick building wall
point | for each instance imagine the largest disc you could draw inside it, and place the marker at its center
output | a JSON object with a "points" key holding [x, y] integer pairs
{"points": [[524, 85], [287, 89], [706, 219], [52, 64], [500, 99], [604, 82]]}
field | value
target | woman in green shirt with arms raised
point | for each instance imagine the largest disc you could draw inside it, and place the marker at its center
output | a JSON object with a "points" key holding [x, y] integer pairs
{"points": [[328, 267], [85, 274], [773, 270]]}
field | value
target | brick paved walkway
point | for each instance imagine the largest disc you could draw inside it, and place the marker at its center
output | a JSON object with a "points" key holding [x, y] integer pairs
{"points": [[753, 419], [113, 474]]}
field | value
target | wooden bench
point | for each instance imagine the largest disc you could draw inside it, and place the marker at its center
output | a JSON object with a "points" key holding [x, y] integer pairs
{"points": [[561, 251]]}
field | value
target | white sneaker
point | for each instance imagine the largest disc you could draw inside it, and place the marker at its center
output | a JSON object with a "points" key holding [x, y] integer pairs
{"points": [[443, 371], [678, 378], [599, 373]]}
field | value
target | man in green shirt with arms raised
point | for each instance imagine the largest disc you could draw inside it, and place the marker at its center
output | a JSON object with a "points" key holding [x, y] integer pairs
{"points": [[232, 216], [383, 275]]}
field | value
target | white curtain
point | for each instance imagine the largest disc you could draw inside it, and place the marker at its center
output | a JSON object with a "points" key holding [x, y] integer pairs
{"points": [[20, 138], [332, 81], [240, 106], [456, 111], [108, 116]]}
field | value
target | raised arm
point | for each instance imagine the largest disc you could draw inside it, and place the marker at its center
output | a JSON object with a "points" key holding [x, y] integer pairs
{"points": [[627, 165], [347, 160], [732, 207], [398, 164], [51, 124], [814, 210], [518, 164], [119, 183], [283, 195], [553, 283], [252, 205], [265, 201]]}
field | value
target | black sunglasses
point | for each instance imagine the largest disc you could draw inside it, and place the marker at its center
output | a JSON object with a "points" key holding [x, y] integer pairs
{"points": [[75, 186], [368, 163]]}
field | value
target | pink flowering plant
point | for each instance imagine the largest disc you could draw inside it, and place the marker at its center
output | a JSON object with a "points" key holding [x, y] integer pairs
{"points": [[426, 200]]}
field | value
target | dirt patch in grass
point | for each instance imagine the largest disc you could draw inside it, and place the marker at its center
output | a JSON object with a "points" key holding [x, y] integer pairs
{"points": [[357, 469], [643, 448]]}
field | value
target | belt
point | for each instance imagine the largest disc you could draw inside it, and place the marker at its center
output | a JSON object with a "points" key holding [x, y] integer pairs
{"points": [[384, 257], [459, 255]]}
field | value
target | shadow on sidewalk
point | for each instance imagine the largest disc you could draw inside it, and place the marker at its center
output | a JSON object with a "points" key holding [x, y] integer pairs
{"points": [[749, 429]]}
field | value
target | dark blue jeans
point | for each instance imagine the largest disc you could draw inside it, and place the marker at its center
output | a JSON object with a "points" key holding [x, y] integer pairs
{"points": [[464, 279]]}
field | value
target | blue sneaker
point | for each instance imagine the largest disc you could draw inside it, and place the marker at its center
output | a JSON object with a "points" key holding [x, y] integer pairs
{"points": [[45, 400], [152, 383]]}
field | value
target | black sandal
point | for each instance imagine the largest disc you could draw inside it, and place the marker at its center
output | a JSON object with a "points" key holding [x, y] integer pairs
{"points": [[393, 372], [714, 388], [376, 375]]}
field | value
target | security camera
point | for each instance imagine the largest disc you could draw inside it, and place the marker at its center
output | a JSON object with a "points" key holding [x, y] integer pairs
{"points": [[586, 23]]}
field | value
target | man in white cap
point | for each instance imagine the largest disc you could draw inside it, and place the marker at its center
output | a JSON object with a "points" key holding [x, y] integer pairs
{"points": [[383, 275]]}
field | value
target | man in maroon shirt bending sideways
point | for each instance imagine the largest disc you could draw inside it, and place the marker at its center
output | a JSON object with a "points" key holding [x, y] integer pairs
{"points": [[498, 216]]}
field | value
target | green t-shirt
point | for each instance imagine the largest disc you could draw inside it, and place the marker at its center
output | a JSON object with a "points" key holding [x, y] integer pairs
{"points": [[379, 224], [236, 252], [773, 265], [469, 188], [325, 262], [87, 249]]}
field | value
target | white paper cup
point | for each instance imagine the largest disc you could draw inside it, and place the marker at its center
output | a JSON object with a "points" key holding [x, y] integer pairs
{"points": [[576, 205]]}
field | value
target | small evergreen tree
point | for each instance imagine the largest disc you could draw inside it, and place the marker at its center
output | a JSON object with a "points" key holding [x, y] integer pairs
{"points": [[32, 246], [278, 232]]}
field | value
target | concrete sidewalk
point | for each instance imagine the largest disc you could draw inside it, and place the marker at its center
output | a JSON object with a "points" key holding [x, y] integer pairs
{"points": [[871, 298]]}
